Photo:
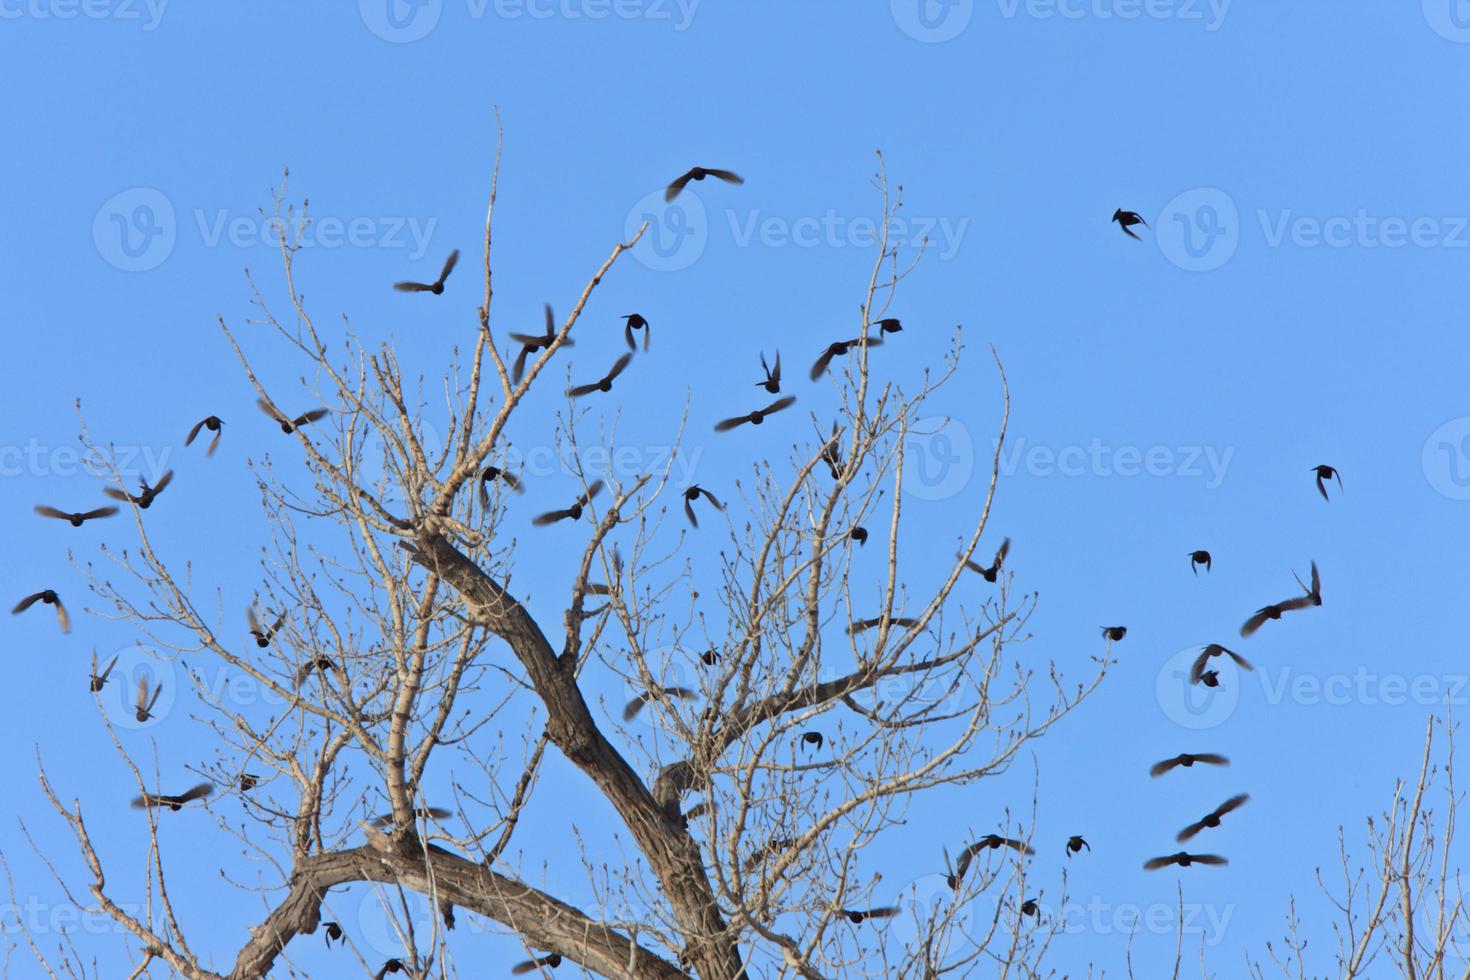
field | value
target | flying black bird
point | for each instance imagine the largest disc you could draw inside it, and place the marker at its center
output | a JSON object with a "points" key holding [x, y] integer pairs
{"points": [[988, 842], [262, 635], [174, 803], [420, 813], [248, 781], [1114, 633], [437, 286], [840, 348], [856, 916], [691, 495], [774, 846], [142, 703], [573, 512], [47, 597], [76, 519], [390, 966], [496, 473], [696, 811], [531, 343], [1029, 907], [526, 966], [1127, 219], [1212, 819], [322, 664], [145, 496], [605, 384], [699, 173], [1209, 678], [98, 680], [861, 625], [812, 738], [1187, 760], [214, 424], [832, 453], [1214, 650], [989, 574], [889, 325], [859, 534], [1325, 473], [636, 321], [1198, 558], [631, 709], [772, 383], [758, 416], [288, 424], [1183, 859], [334, 931], [1075, 844], [1313, 597], [710, 657]]}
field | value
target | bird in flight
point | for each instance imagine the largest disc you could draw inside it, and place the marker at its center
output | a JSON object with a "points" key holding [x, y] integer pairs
{"points": [[812, 738], [1197, 671], [631, 709], [531, 343], [142, 703], [636, 321], [988, 842], [889, 325], [322, 664], [989, 574], [1325, 473], [1184, 859], [334, 931], [261, 634], [49, 598], [98, 680], [772, 383], [604, 384], [838, 349], [1075, 844], [437, 286], [496, 473], [1313, 597], [419, 813], [1209, 678], [1198, 558], [699, 173], [174, 803], [758, 416], [859, 534], [1127, 219], [832, 453], [145, 495], [573, 512], [1114, 633], [1212, 819], [1029, 907], [289, 425], [694, 493], [1187, 760], [76, 519], [550, 961], [861, 625], [856, 916], [214, 424], [390, 966]]}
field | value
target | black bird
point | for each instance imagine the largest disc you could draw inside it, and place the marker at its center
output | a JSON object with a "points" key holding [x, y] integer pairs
{"points": [[496, 473], [636, 321], [772, 847], [76, 519], [446, 911], [248, 781], [989, 574], [1029, 907], [1197, 671], [1210, 678], [859, 626], [631, 709], [699, 173], [1187, 760], [322, 664], [988, 842], [551, 961], [573, 512], [391, 966], [812, 738], [334, 931], [47, 597], [142, 703], [772, 383], [1313, 597], [420, 813], [758, 416], [856, 916], [691, 495], [840, 348], [1184, 859], [1114, 633], [1127, 219], [710, 657], [1325, 473], [1075, 844], [145, 495], [605, 384], [214, 424], [889, 325], [859, 534], [696, 811], [262, 635], [531, 343], [98, 680], [1198, 558], [1212, 819], [289, 425], [832, 453], [437, 286], [174, 803]]}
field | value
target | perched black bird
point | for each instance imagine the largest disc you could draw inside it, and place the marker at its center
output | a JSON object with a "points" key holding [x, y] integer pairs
{"points": [[1075, 844], [322, 664], [605, 383], [47, 597], [840, 348], [437, 286], [142, 703], [691, 495], [261, 634], [812, 738], [496, 473], [699, 173], [988, 842], [1187, 760], [174, 803], [1214, 650], [636, 321], [772, 383], [861, 625], [76, 519], [334, 932], [856, 916], [289, 425], [859, 534], [889, 325], [1127, 219], [390, 966], [98, 680], [214, 424], [420, 813], [551, 961], [758, 416], [573, 512], [989, 574], [1198, 558], [1212, 819], [531, 343], [1313, 597], [145, 495], [1325, 473], [631, 709], [1183, 859], [1114, 633]]}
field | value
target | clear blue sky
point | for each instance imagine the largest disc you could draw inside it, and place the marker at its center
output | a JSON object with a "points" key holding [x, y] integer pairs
{"points": [[1299, 300]]}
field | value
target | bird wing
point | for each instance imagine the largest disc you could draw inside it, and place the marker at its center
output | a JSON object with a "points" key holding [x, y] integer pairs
{"points": [[619, 366], [1154, 864], [1234, 803], [1240, 661], [103, 676], [449, 264], [189, 439], [26, 603], [726, 175], [1001, 552], [197, 793], [725, 425], [672, 191], [1207, 859], [163, 481], [1254, 623], [577, 391], [820, 367], [1159, 768], [60, 515], [99, 512], [779, 404], [1197, 669], [1190, 831], [413, 287], [1212, 758], [307, 417], [550, 517], [62, 618], [214, 443], [1321, 487]]}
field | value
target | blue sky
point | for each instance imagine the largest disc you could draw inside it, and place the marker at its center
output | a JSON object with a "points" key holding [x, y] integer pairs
{"points": [[1298, 300]]}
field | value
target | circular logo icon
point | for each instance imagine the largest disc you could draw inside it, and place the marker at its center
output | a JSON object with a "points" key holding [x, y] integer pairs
{"points": [[1194, 705], [135, 230], [925, 900], [677, 234], [140, 681], [1450, 19], [938, 458], [932, 21], [1446, 459], [400, 21], [381, 468], [1199, 230], [382, 930]]}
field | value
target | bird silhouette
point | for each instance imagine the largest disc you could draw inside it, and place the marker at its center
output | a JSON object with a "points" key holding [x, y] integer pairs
{"points": [[889, 325], [1127, 219], [289, 425], [47, 597], [838, 349], [1187, 760], [988, 842], [758, 416], [636, 321], [97, 680], [1313, 597], [145, 495], [832, 453], [1075, 844], [1198, 558], [334, 931], [262, 635], [142, 703], [1029, 907], [772, 383], [1210, 678], [1212, 819], [631, 709], [1114, 633], [710, 657], [550, 961], [496, 473], [812, 738], [76, 519], [248, 781], [699, 173], [419, 813], [1214, 650], [861, 625], [390, 966], [603, 384], [771, 848], [214, 424], [573, 512], [989, 574], [1325, 473], [859, 534], [1184, 859], [856, 916], [531, 343], [322, 664], [173, 803], [692, 494], [437, 286]]}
